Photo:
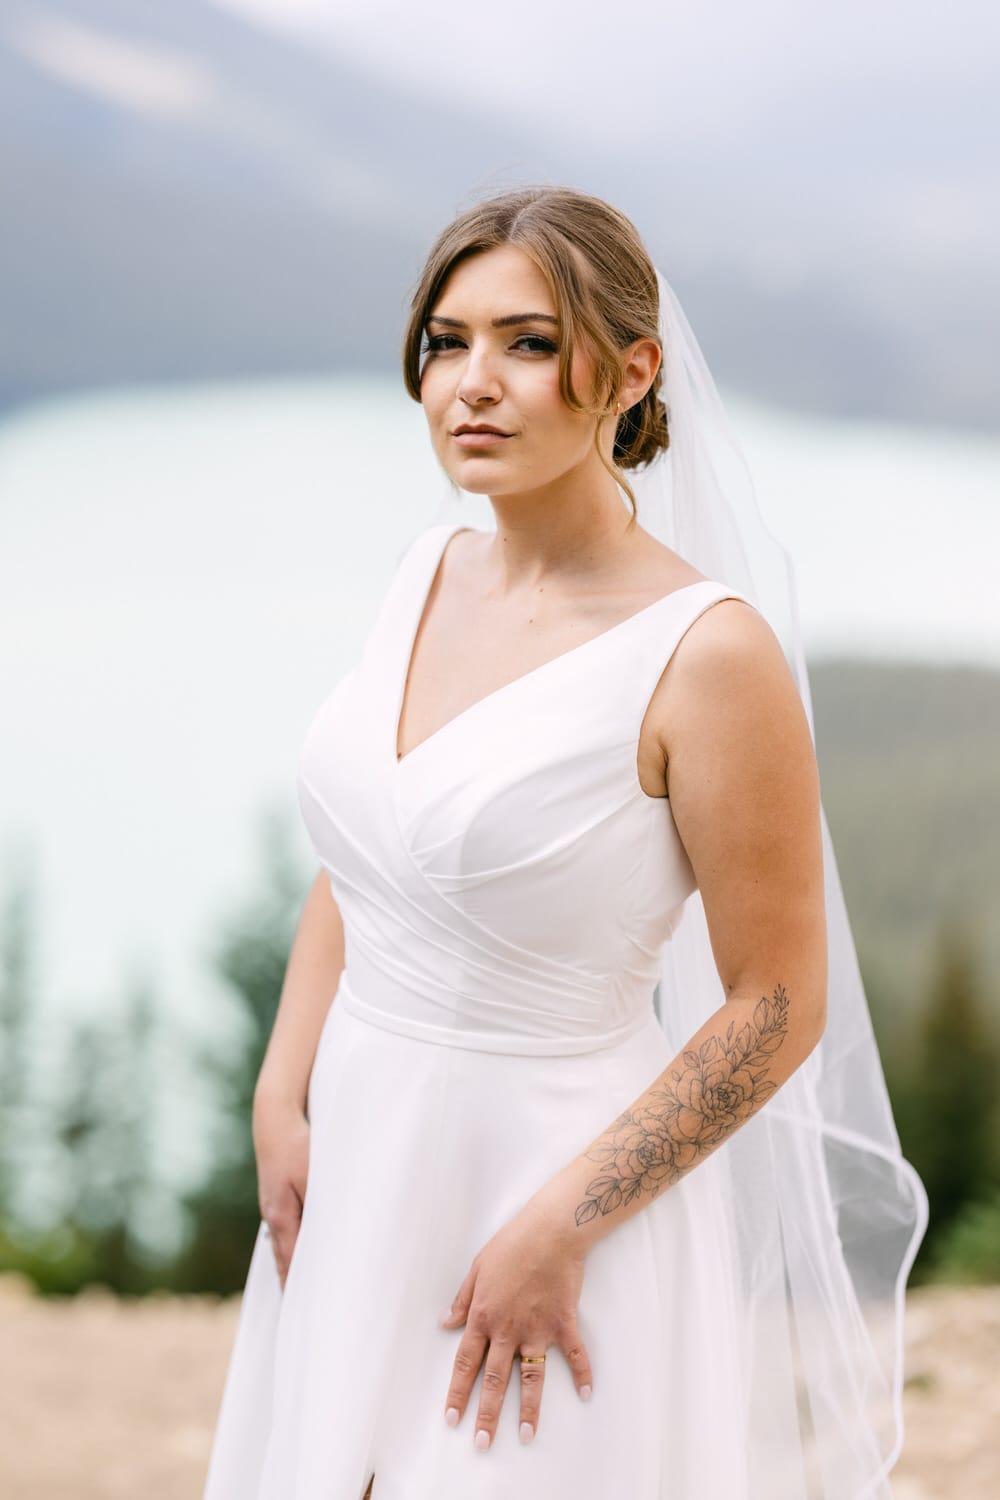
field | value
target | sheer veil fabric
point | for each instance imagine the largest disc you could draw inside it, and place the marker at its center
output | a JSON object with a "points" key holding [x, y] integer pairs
{"points": [[823, 1213]]}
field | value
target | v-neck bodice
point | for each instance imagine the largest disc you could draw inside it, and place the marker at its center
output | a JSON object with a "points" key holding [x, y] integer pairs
{"points": [[507, 885], [543, 669]]}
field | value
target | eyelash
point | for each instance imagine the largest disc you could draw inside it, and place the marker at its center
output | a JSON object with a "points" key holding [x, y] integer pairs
{"points": [[434, 344]]}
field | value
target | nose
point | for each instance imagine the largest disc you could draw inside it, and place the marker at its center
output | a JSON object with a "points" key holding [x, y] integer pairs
{"points": [[478, 381]]}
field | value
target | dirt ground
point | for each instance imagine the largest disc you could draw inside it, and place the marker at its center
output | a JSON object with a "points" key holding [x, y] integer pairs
{"points": [[106, 1400]]}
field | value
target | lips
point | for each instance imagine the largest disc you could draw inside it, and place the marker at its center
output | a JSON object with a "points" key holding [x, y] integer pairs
{"points": [[479, 437]]}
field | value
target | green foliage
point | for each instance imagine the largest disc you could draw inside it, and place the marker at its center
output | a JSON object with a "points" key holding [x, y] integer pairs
{"points": [[944, 1089], [909, 757], [252, 955], [17, 937], [968, 1251], [96, 1141], [59, 1261]]}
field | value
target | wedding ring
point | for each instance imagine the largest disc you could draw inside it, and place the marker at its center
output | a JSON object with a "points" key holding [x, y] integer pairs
{"points": [[532, 1359]]}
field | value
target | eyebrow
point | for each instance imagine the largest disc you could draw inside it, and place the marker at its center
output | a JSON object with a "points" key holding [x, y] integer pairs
{"points": [[510, 321]]}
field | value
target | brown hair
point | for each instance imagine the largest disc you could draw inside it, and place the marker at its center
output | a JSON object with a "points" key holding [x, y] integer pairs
{"points": [[604, 287]]}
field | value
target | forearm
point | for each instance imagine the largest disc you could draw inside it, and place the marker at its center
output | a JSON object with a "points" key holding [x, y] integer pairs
{"points": [[315, 964], [728, 1070]]}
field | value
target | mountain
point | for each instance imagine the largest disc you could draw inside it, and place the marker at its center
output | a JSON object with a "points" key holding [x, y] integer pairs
{"points": [[187, 196], [909, 758]]}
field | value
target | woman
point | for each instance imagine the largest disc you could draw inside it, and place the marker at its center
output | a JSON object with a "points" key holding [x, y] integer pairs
{"points": [[543, 1244]]}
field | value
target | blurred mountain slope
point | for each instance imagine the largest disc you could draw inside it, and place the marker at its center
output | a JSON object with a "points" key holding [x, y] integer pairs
{"points": [[188, 196], [909, 759]]}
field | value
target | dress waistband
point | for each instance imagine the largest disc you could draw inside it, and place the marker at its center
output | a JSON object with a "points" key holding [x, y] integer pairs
{"points": [[490, 1041]]}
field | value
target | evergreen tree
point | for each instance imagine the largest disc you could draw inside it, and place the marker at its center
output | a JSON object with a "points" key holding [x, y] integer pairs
{"points": [[105, 1124], [17, 934], [223, 1211], [948, 1116]]}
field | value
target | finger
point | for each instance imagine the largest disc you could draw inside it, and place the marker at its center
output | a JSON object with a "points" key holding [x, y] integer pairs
{"points": [[462, 1300], [468, 1358], [532, 1380], [571, 1345], [496, 1377]]}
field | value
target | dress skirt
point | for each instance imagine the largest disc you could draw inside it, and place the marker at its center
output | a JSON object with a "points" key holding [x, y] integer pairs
{"points": [[420, 1152]]}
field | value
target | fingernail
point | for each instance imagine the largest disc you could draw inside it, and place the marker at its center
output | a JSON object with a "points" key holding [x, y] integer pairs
{"points": [[451, 1416], [585, 1392], [482, 1440], [527, 1432]]}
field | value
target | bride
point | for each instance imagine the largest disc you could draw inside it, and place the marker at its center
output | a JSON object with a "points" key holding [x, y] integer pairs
{"points": [[573, 767]]}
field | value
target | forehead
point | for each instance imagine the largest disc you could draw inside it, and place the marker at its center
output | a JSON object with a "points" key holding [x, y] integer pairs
{"points": [[493, 281]]}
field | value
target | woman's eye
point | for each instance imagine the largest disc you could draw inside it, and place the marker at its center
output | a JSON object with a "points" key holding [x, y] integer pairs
{"points": [[541, 345], [438, 341]]}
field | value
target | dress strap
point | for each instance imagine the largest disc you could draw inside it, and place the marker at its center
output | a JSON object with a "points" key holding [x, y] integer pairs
{"points": [[665, 625], [409, 583]]}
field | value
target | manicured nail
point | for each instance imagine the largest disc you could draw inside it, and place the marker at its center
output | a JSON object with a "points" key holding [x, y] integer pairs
{"points": [[527, 1432], [585, 1392], [482, 1440], [451, 1416]]}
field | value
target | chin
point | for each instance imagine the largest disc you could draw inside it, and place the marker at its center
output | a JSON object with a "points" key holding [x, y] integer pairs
{"points": [[482, 477]]}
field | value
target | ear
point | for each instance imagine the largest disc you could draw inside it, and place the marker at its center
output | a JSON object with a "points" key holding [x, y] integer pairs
{"points": [[642, 360]]}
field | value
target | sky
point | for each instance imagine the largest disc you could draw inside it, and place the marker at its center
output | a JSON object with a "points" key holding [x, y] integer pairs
{"points": [[614, 74]]}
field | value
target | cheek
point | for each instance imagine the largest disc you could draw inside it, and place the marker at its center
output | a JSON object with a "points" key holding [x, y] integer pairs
{"points": [[432, 393], [540, 400], [569, 428]]}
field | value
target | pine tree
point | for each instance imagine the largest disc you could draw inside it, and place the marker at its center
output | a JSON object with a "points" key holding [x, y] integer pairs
{"points": [[948, 1120], [223, 1210]]}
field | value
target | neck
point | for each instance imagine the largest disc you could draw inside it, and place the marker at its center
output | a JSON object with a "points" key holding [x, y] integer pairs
{"points": [[561, 534]]}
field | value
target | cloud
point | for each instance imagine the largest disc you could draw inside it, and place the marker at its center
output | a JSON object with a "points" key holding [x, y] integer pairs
{"points": [[148, 79]]}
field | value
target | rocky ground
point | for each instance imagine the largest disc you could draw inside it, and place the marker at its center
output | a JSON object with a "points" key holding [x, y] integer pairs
{"points": [[108, 1400]]}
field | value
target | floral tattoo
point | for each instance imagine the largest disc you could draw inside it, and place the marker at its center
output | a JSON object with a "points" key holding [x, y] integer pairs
{"points": [[690, 1113]]}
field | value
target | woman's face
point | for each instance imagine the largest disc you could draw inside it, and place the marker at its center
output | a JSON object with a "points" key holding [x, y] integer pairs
{"points": [[493, 361]]}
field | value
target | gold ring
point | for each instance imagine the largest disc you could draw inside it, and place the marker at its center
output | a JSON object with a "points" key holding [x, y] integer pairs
{"points": [[532, 1359]]}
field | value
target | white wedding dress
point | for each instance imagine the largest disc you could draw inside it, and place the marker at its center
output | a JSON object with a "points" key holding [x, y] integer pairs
{"points": [[506, 889]]}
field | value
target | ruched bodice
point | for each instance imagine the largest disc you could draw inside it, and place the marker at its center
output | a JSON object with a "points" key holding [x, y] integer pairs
{"points": [[506, 885]]}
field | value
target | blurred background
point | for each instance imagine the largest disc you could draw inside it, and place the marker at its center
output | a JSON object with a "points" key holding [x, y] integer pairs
{"points": [[213, 215]]}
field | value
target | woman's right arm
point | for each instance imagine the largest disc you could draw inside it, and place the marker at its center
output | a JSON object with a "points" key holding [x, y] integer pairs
{"points": [[280, 1125]]}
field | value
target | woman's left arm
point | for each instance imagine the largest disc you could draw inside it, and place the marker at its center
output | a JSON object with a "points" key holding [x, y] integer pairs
{"points": [[744, 793]]}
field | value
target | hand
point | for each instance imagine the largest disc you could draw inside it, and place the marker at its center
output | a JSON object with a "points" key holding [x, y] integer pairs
{"points": [[281, 1145], [520, 1295]]}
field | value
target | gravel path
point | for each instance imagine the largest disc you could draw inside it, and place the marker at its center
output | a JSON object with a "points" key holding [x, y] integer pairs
{"points": [[109, 1400]]}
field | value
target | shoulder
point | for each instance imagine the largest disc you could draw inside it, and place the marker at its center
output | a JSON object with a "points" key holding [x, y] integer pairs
{"points": [[726, 638], [728, 677]]}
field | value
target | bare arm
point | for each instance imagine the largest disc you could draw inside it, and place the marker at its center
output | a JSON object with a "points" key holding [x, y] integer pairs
{"points": [[313, 972], [280, 1125]]}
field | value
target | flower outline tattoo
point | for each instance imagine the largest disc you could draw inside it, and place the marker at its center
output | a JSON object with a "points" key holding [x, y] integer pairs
{"points": [[693, 1110]]}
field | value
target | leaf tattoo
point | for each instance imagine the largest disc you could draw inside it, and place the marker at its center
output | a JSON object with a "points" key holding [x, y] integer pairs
{"points": [[690, 1113]]}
